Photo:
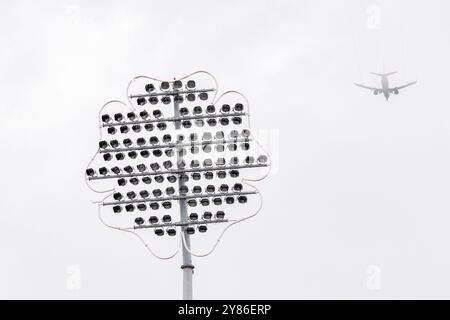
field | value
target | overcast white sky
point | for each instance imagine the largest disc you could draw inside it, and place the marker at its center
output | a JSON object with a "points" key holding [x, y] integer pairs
{"points": [[360, 182]]}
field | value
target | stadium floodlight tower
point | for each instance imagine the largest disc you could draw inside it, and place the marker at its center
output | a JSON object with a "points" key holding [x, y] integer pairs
{"points": [[171, 163]]}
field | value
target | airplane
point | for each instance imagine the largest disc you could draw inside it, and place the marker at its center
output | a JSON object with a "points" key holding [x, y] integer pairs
{"points": [[385, 85]]}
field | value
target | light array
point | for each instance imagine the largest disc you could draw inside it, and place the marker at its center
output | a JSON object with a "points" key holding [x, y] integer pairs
{"points": [[177, 146]]}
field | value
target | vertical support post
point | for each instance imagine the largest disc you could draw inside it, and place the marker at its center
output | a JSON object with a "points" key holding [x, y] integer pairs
{"points": [[187, 266]]}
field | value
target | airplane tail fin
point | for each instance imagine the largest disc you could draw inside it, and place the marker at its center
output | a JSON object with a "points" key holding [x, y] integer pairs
{"points": [[384, 74]]}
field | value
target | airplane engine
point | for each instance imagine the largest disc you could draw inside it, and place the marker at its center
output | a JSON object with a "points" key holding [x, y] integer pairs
{"points": [[395, 91], [375, 92]]}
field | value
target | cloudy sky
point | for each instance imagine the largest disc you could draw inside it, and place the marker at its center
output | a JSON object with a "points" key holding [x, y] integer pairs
{"points": [[357, 205]]}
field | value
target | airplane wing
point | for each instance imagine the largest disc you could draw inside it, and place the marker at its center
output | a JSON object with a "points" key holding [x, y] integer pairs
{"points": [[366, 87], [407, 85], [395, 90]]}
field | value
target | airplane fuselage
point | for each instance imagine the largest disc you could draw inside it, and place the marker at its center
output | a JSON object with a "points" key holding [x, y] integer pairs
{"points": [[385, 87]]}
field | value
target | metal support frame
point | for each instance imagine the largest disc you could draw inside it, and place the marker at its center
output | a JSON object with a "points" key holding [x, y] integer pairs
{"points": [[187, 266]]}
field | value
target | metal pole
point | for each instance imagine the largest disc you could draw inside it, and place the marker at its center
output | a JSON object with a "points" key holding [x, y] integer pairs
{"points": [[187, 266]]}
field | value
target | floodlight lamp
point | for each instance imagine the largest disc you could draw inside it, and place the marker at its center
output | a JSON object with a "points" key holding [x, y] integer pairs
{"points": [[154, 206], [207, 215], [170, 191], [210, 109], [234, 173], [225, 108], [124, 129], [220, 135], [128, 169], [149, 87], [238, 107], [157, 113], [220, 162], [197, 110], [249, 160], [190, 97], [127, 142], [153, 100], [178, 99], [157, 153], [245, 133], [139, 221], [90, 172], [153, 140], [153, 219], [242, 199], [197, 189], [131, 195], [103, 144], [177, 84], [166, 100], [118, 117], [237, 187], [207, 162], [192, 203], [220, 215], [184, 111], [167, 164], [165, 85], [141, 101], [172, 179], [144, 114], [193, 216], [203, 96], [190, 84], [144, 194], [229, 200], [167, 138], [236, 120], [234, 134], [207, 136], [209, 175], [136, 128], [106, 118]]}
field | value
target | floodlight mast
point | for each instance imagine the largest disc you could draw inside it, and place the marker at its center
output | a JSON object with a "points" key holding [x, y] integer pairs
{"points": [[187, 266], [217, 195]]}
